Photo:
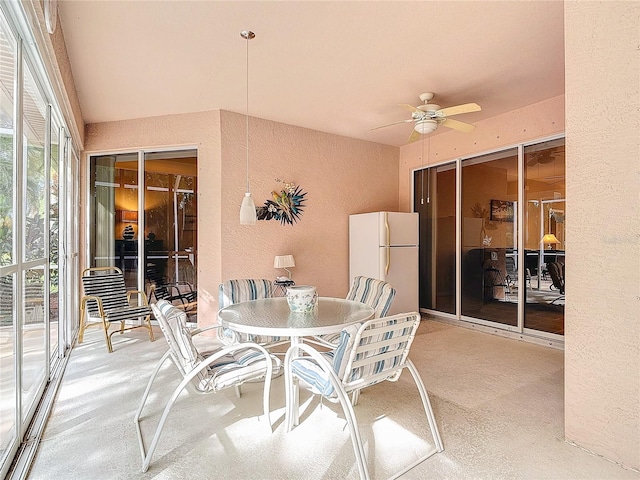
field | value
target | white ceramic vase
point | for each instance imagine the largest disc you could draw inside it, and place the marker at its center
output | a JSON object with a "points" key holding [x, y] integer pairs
{"points": [[302, 298]]}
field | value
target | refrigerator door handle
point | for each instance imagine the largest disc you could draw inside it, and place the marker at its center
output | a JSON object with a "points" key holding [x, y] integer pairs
{"points": [[386, 268], [387, 229]]}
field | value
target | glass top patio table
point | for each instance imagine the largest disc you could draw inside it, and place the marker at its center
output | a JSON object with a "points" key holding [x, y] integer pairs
{"points": [[272, 316]]}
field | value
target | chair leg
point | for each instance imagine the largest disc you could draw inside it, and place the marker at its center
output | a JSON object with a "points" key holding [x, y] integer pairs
{"points": [[136, 418], [150, 328], [106, 326], [82, 322], [427, 407]]}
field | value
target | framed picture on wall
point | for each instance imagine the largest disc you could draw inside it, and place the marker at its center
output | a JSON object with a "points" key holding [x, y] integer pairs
{"points": [[501, 211]]}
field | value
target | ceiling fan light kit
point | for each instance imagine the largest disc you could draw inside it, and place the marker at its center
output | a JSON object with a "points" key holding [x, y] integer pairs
{"points": [[424, 127]]}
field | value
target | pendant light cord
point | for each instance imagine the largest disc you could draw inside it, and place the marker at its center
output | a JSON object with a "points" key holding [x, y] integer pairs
{"points": [[422, 172], [428, 170], [247, 114]]}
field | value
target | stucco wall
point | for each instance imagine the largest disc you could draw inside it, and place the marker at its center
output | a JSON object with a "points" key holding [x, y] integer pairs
{"points": [[340, 175], [602, 347], [199, 130]]}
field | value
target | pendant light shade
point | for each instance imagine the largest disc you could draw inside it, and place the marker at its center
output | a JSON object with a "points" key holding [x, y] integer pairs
{"points": [[248, 210], [248, 214]]}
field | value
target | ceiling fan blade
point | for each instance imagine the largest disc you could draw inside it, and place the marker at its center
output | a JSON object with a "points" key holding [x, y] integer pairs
{"points": [[458, 125], [411, 108], [394, 123], [413, 137], [458, 109]]}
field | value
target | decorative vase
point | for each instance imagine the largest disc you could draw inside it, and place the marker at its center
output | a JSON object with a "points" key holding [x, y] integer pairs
{"points": [[128, 233], [302, 298]]}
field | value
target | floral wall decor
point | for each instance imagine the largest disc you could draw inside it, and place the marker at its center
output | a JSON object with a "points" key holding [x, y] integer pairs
{"points": [[286, 205]]}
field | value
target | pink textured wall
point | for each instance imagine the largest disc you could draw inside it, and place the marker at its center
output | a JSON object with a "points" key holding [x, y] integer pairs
{"points": [[200, 130], [602, 348], [341, 175], [529, 123]]}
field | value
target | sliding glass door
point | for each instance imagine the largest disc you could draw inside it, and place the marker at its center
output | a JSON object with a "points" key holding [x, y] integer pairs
{"points": [[506, 212], [489, 236], [32, 142], [544, 236], [144, 218], [435, 201]]}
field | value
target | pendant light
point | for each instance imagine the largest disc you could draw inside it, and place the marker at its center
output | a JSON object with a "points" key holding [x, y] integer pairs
{"points": [[247, 208]]}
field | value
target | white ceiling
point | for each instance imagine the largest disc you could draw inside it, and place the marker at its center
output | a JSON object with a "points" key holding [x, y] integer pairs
{"points": [[333, 66]]}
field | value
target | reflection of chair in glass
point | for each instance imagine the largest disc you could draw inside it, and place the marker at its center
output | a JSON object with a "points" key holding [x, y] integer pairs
{"points": [[494, 278], [368, 353], [180, 294], [208, 372], [107, 299], [244, 290], [556, 272], [511, 277]]}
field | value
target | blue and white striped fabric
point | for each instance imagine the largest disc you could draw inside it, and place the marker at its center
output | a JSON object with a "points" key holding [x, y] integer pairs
{"points": [[378, 294], [244, 290], [372, 348], [232, 369]]}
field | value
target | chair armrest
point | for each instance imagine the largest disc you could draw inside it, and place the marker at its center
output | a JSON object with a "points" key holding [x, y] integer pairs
{"points": [[198, 331], [93, 298]]}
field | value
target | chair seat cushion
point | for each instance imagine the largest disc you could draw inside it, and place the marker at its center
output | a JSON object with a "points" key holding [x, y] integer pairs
{"points": [[307, 370], [236, 368], [127, 313]]}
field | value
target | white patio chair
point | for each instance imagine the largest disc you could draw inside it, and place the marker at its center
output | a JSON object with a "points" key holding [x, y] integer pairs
{"points": [[367, 354], [244, 290], [378, 294], [207, 372]]}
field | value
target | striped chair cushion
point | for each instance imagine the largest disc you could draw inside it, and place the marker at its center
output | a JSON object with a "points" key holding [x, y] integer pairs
{"points": [[378, 294], [370, 334], [244, 290], [232, 369], [110, 288]]}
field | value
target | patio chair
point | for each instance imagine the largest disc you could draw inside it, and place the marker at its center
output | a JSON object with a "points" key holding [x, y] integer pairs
{"points": [[181, 294], [244, 290], [556, 272], [107, 299], [378, 294], [206, 372], [367, 354]]}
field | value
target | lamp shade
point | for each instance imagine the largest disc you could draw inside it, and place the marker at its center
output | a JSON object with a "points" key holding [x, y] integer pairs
{"points": [[130, 216], [248, 210], [284, 261], [550, 238]]}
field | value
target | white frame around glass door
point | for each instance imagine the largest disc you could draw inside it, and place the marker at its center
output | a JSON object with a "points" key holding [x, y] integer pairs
{"points": [[519, 205], [135, 219]]}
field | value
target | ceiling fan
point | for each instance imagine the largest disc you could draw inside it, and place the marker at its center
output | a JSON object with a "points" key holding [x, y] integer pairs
{"points": [[428, 117]]}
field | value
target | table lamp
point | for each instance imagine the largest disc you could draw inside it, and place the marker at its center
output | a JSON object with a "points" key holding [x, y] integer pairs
{"points": [[550, 239], [284, 261]]}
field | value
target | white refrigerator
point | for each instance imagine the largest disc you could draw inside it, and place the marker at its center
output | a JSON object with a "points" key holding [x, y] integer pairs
{"points": [[384, 245]]}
